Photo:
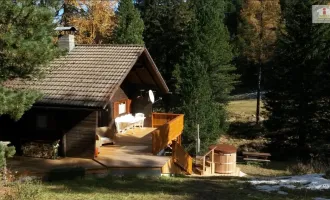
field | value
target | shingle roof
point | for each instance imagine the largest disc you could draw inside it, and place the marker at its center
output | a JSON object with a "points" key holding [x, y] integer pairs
{"points": [[86, 77]]}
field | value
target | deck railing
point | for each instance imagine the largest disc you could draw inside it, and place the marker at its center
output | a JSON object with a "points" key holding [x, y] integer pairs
{"points": [[212, 166], [181, 157], [159, 119], [169, 127]]}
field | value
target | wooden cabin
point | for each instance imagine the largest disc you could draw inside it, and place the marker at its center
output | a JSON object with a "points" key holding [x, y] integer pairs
{"points": [[82, 94]]}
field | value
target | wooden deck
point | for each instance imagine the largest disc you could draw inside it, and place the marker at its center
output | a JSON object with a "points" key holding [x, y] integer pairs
{"points": [[237, 173], [133, 149], [36, 166]]}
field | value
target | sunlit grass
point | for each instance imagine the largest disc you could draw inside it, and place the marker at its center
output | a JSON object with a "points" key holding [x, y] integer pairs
{"points": [[156, 188]]}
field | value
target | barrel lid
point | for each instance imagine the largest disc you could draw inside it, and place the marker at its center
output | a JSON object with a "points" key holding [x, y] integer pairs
{"points": [[223, 148]]}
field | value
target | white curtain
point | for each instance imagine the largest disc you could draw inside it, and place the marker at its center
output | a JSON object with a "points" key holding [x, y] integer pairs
{"points": [[122, 108]]}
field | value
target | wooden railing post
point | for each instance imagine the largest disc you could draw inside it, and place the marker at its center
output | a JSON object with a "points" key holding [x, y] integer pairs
{"points": [[212, 163], [204, 164], [152, 120]]}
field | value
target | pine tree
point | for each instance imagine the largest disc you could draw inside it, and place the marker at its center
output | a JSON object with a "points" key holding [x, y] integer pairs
{"points": [[130, 27], [298, 83], [204, 78], [26, 46], [257, 35]]}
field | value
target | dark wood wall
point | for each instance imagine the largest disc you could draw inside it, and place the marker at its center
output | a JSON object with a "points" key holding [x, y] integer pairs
{"points": [[80, 139], [107, 118], [119, 95], [62, 124]]}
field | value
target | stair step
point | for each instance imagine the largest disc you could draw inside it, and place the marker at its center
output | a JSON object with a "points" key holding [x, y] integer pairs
{"points": [[204, 172], [200, 171]]}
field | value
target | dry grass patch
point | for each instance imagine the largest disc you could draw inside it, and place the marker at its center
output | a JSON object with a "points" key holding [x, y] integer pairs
{"points": [[243, 110], [271, 169]]}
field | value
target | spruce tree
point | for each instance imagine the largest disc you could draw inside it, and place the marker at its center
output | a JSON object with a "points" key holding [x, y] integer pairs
{"points": [[166, 33], [298, 83], [26, 46], [204, 77], [130, 27], [211, 41]]}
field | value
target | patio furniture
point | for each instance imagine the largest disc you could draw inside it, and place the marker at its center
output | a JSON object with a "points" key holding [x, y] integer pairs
{"points": [[125, 122], [139, 117], [102, 134], [128, 121]]}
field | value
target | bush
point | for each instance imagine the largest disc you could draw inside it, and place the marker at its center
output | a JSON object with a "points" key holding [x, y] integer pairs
{"points": [[5, 152], [312, 167], [28, 190], [66, 173]]}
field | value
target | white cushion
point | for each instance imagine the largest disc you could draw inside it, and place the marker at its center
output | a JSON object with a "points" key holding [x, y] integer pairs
{"points": [[105, 140]]}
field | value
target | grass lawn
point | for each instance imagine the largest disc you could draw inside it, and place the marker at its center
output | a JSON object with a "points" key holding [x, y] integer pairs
{"points": [[154, 188], [274, 168], [243, 110], [246, 106]]}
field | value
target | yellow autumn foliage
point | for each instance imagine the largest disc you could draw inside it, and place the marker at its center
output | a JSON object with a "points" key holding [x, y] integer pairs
{"points": [[263, 19], [94, 26]]}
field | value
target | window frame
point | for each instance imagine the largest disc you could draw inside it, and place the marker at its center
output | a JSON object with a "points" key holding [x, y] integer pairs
{"points": [[116, 104]]}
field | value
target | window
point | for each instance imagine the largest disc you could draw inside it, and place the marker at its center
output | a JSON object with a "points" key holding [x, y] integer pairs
{"points": [[41, 121], [122, 108]]}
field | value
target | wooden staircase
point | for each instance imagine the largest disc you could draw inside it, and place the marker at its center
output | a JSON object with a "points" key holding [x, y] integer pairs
{"points": [[182, 158], [205, 164], [168, 134]]}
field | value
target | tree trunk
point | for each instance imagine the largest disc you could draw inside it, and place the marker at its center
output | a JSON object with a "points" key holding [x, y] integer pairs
{"points": [[258, 95], [259, 67], [65, 15]]}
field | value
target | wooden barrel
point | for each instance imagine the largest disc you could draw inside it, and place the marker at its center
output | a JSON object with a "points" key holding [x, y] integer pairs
{"points": [[224, 158]]}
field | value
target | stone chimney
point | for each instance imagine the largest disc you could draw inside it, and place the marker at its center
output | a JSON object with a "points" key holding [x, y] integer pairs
{"points": [[66, 38], [66, 42]]}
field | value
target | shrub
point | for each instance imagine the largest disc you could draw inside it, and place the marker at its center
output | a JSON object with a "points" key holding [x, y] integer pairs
{"points": [[313, 166], [28, 190], [68, 173], [5, 152]]}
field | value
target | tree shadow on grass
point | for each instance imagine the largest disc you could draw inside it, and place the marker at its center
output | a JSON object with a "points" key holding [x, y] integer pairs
{"points": [[246, 130], [192, 188]]}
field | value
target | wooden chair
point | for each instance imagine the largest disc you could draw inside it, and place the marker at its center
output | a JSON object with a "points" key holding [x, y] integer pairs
{"points": [[140, 119]]}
